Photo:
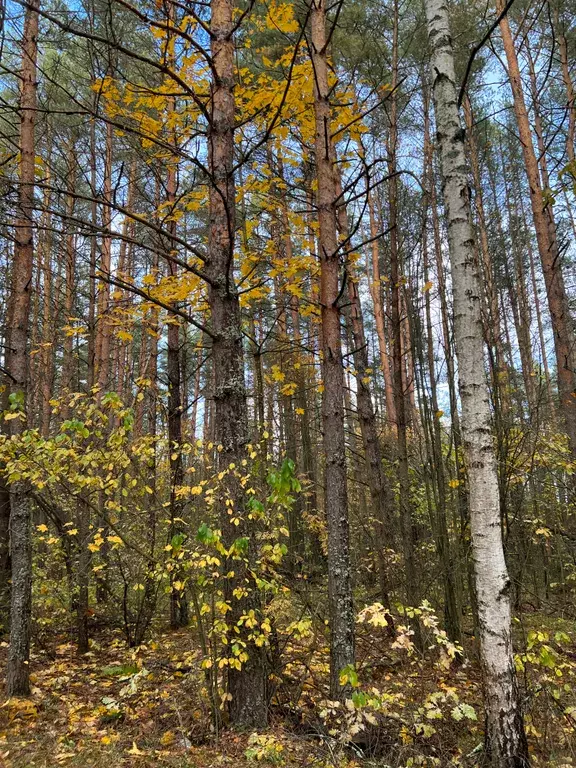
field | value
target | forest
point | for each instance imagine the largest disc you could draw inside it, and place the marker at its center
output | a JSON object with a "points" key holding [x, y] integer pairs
{"points": [[288, 383]]}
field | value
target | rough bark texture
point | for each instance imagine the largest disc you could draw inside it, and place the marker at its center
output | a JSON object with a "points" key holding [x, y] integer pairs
{"points": [[17, 671], [505, 739], [248, 685], [341, 608]]}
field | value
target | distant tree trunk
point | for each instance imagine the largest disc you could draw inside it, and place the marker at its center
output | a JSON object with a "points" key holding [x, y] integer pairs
{"points": [[247, 686], [380, 492], [46, 356], [91, 351], [492, 320], [67, 383], [102, 333], [560, 30], [301, 401], [120, 296], [83, 560], [376, 294], [401, 384], [16, 362], [519, 300], [505, 738], [102, 348], [443, 546], [546, 238], [445, 311], [178, 601], [341, 609], [283, 247]]}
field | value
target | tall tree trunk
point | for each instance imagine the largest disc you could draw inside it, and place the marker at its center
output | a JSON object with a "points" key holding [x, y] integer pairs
{"points": [[443, 546], [376, 294], [445, 311], [67, 383], [92, 290], [46, 357], [18, 668], [341, 609], [178, 601], [102, 344], [247, 686], [400, 379], [569, 85], [505, 738], [519, 299], [492, 321], [546, 238], [380, 492]]}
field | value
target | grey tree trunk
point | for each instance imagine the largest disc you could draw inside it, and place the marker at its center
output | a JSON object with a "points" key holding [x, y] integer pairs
{"points": [[505, 738]]}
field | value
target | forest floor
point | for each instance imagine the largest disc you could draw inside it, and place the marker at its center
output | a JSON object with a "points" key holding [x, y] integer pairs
{"points": [[94, 710], [145, 707]]}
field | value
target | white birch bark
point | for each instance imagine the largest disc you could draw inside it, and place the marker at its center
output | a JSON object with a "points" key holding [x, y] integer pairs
{"points": [[505, 739]]}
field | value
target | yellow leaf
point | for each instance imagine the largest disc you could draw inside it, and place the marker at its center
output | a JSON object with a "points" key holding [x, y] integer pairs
{"points": [[167, 738], [135, 750], [543, 532]]}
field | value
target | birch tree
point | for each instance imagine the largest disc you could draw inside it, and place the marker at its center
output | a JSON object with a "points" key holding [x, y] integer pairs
{"points": [[505, 739]]}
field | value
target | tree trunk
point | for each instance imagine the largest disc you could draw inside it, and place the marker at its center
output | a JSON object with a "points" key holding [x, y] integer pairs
{"points": [[492, 320], [380, 492], [505, 738], [67, 383], [546, 238], [570, 92], [341, 609], [247, 686], [376, 294], [102, 344], [18, 668], [447, 564], [178, 601]]}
